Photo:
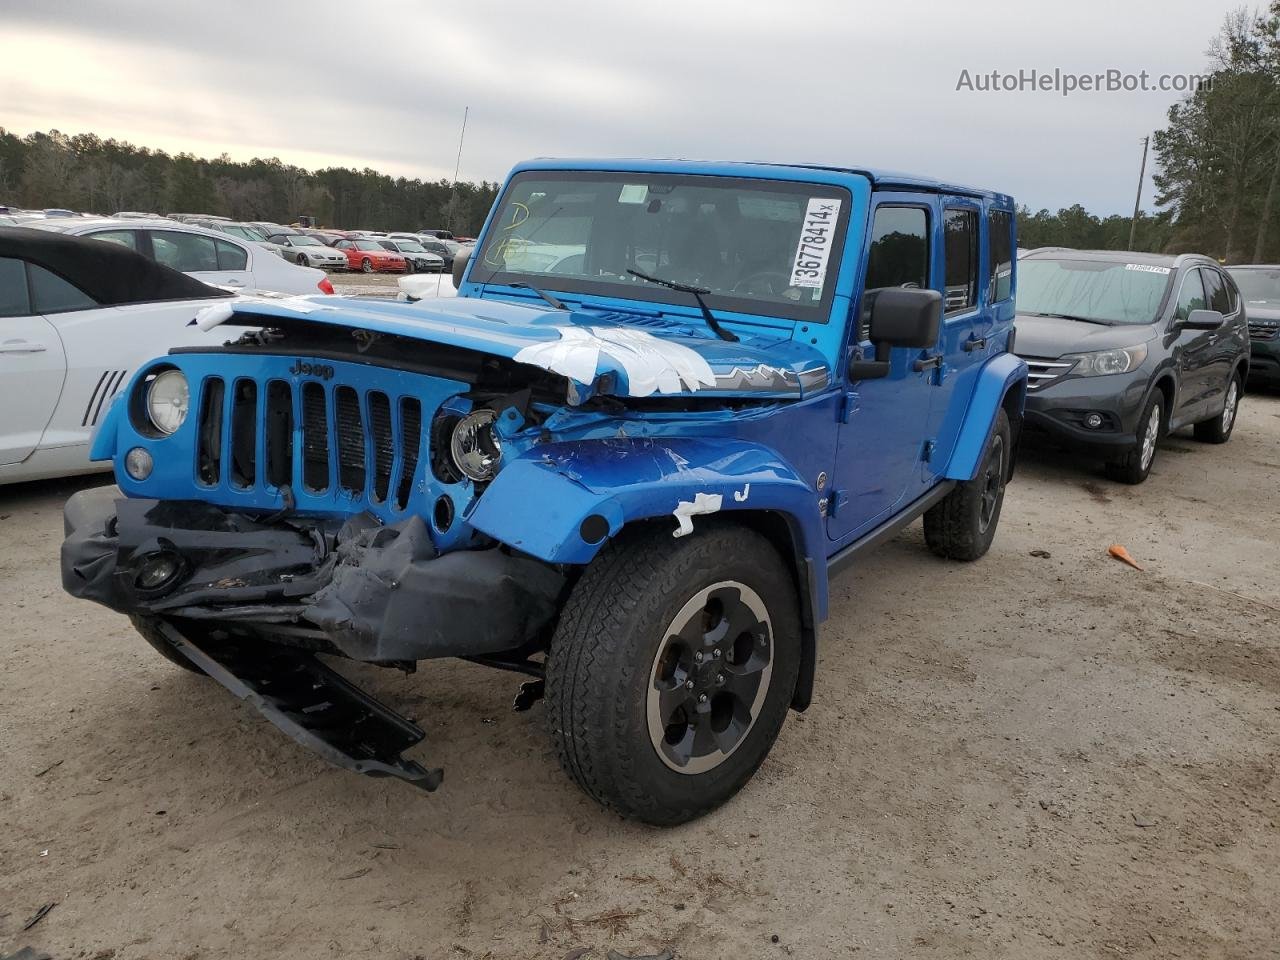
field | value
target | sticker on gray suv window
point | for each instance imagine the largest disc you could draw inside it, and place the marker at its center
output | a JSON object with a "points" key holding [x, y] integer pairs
{"points": [[1148, 268], [817, 237]]}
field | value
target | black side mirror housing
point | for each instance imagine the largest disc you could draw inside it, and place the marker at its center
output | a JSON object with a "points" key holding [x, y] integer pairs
{"points": [[460, 261], [1203, 320], [899, 317]]}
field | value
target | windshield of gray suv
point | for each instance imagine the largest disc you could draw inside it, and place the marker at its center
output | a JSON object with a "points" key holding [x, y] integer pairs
{"points": [[1100, 291], [766, 247], [1258, 285]]}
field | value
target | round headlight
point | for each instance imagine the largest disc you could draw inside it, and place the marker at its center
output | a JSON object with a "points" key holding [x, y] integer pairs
{"points": [[475, 449], [168, 398]]}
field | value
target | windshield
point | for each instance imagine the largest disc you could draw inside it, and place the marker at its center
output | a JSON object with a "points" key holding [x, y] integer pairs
{"points": [[757, 246], [370, 245], [1105, 291], [304, 241], [1258, 285], [410, 246]]}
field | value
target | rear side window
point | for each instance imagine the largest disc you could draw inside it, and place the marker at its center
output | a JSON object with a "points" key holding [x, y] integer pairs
{"points": [[126, 238], [231, 256], [1000, 254], [184, 251], [960, 235], [1190, 296], [899, 251], [51, 294], [14, 300], [1216, 293]]}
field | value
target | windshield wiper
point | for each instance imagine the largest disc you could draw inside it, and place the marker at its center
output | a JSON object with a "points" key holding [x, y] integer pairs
{"points": [[542, 293], [698, 294], [1068, 316]]}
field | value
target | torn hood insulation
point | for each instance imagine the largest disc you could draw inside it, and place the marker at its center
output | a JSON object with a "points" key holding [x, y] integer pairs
{"points": [[623, 354]]}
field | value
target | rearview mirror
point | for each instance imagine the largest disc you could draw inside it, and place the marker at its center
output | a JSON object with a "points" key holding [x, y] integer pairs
{"points": [[460, 261], [1202, 320]]}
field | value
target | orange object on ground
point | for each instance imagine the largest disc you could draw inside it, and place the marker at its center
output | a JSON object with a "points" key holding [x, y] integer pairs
{"points": [[1120, 553]]}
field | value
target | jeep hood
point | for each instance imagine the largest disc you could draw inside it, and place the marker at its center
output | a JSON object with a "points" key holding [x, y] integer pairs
{"points": [[1051, 337], [622, 354]]}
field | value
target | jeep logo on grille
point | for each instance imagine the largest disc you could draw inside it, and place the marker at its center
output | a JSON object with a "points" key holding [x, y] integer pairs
{"points": [[301, 368]]}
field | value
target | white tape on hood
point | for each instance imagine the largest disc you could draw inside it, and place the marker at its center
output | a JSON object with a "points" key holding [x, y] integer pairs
{"points": [[652, 364], [219, 313]]}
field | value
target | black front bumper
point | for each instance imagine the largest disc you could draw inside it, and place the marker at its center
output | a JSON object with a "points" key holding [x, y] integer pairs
{"points": [[369, 592]]}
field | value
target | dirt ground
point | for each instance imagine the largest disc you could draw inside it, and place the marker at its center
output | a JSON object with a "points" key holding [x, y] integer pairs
{"points": [[1023, 757]]}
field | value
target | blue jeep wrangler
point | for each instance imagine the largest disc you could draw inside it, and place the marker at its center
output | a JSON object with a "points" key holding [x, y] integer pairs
{"points": [[670, 400]]}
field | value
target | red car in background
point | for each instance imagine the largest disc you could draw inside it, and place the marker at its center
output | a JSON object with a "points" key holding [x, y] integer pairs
{"points": [[369, 256]]}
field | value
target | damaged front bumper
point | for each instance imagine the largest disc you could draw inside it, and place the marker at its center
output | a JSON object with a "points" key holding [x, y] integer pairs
{"points": [[360, 589], [250, 601]]}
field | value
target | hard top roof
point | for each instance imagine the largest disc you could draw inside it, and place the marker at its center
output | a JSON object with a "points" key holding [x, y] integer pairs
{"points": [[1118, 256], [881, 179]]}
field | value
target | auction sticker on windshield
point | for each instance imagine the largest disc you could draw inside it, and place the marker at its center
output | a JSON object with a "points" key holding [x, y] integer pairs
{"points": [[1147, 268], [817, 237]]}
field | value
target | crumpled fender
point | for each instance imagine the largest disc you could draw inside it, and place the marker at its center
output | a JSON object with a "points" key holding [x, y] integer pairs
{"points": [[999, 375], [542, 503]]}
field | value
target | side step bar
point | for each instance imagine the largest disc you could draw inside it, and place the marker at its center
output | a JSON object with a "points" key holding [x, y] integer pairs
{"points": [[315, 706]]}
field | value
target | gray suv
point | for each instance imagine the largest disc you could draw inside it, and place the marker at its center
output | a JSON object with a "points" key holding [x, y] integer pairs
{"points": [[1125, 347]]}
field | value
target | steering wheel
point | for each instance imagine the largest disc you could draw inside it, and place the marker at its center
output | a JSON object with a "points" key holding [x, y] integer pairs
{"points": [[772, 282]]}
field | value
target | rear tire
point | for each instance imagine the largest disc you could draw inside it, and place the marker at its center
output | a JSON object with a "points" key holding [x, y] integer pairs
{"points": [[672, 669], [148, 627], [301, 261], [1218, 430], [1135, 465], [963, 524]]}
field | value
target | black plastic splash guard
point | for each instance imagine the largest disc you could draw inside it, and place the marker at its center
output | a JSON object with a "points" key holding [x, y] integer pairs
{"points": [[315, 706]]}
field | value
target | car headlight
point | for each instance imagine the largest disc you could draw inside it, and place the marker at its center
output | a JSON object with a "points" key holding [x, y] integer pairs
{"points": [[1100, 363], [476, 449], [168, 398]]}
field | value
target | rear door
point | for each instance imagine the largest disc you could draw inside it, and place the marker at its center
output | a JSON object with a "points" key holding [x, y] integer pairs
{"points": [[886, 420], [1229, 341], [32, 366]]}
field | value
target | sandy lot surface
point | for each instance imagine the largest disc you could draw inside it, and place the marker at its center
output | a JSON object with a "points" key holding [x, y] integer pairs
{"points": [[1022, 757]]}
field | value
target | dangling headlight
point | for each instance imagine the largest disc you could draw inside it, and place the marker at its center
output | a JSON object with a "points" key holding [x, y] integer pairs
{"points": [[168, 398], [476, 449]]}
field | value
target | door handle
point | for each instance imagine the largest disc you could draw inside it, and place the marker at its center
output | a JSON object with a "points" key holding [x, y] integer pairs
{"points": [[975, 343], [235, 283], [22, 346], [925, 364]]}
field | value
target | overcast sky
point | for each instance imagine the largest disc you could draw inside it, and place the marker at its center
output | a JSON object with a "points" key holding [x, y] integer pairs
{"points": [[383, 83]]}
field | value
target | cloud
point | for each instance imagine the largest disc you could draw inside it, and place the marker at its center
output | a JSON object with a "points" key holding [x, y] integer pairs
{"points": [[384, 84]]}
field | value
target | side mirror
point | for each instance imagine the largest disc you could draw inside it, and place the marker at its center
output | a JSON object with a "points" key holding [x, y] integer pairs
{"points": [[1203, 320], [899, 317], [903, 317], [460, 261]]}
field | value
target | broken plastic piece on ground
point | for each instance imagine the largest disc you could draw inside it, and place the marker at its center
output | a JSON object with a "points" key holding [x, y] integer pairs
{"points": [[1121, 554], [39, 914], [1042, 554]]}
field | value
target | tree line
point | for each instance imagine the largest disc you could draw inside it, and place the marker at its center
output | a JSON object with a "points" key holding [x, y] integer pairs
{"points": [[1217, 174], [86, 173]]}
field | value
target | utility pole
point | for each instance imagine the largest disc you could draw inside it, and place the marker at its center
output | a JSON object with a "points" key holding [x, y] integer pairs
{"points": [[1137, 201], [453, 193]]}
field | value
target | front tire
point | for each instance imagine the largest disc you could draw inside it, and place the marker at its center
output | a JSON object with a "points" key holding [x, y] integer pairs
{"points": [[963, 524], [1218, 430], [672, 669], [147, 626], [1135, 466], [366, 265], [301, 261]]}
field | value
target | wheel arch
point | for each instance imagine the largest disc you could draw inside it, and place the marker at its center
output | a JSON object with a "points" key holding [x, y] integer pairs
{"points": [[1002, 384]]}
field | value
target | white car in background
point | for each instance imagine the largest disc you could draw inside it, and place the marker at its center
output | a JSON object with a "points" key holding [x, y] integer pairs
{"points": [[77, 320], [207, 255], [426, 286]]}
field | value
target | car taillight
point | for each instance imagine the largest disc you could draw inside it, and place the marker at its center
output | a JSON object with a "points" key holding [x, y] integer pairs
{"points": [[324, 285]]}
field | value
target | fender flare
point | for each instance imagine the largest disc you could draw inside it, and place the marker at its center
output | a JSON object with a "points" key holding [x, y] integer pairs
{"points": [[1001, 377]]}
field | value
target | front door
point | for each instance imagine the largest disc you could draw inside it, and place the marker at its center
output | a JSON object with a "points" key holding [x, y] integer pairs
{"points": [[1193, 351], [32, 366], [885, 420]]}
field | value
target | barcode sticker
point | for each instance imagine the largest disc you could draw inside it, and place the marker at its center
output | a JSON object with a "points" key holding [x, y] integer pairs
{"points": [[1147, 268], [817, 237]]}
